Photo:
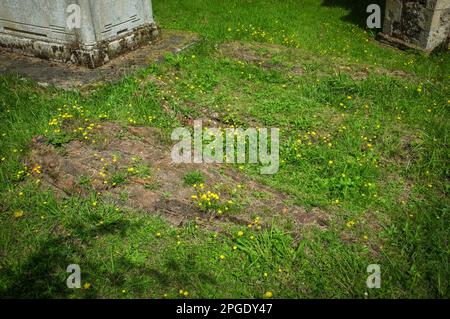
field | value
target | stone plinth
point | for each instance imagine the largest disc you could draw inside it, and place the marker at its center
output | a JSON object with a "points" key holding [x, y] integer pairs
{"points": [[50, 29]]}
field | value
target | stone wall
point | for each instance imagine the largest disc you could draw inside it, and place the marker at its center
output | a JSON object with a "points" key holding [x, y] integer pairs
{"points": [[423, 24]]}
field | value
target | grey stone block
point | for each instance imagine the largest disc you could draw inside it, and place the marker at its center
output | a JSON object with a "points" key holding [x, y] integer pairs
{"points": [[423, 24], [107, 28]]}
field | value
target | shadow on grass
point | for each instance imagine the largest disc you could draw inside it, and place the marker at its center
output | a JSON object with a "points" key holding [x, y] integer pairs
{"points": [[171, 275], [358, 10], [43, 274]]}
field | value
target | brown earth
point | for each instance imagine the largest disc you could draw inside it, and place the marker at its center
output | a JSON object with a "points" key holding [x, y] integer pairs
{"points": [[163, 192]]}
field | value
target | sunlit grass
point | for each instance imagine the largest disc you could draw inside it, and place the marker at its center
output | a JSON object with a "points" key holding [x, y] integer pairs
{"points": [[370, 153]]}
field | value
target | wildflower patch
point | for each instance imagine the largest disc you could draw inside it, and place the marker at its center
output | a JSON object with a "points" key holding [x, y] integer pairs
{"points": [[132, 167]]}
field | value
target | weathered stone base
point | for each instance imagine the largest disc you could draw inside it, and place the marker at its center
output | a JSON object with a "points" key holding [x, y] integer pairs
{"points": [[89, 56], [71, 76], [403, 45], [421, 25]]}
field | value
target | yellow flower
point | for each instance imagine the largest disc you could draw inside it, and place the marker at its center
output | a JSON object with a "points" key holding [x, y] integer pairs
{"points": [[87, 285], [268, 294], [184, 292], [350, 223], [240, 233], [37, 169], [222, 257], [18, 214], [158, 234], [234, 247]]}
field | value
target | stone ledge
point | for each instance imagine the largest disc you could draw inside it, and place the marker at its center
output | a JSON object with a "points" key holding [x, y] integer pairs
{"points": [[89, 56], [72, 76], [403, 45]]}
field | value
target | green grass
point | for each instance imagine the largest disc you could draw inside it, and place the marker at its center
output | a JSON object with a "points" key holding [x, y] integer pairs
{"points": [[193, 177], [375, 164], [119, 178]]}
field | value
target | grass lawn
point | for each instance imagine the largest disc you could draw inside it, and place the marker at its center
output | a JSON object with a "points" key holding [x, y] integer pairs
{"points": [[364, 140]]}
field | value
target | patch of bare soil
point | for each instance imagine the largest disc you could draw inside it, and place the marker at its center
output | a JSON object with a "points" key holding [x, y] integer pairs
{"points": [[298, 62], [113, 167]]}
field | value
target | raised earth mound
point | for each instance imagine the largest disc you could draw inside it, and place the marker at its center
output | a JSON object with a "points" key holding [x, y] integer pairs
{"points": [[132, 168]]}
